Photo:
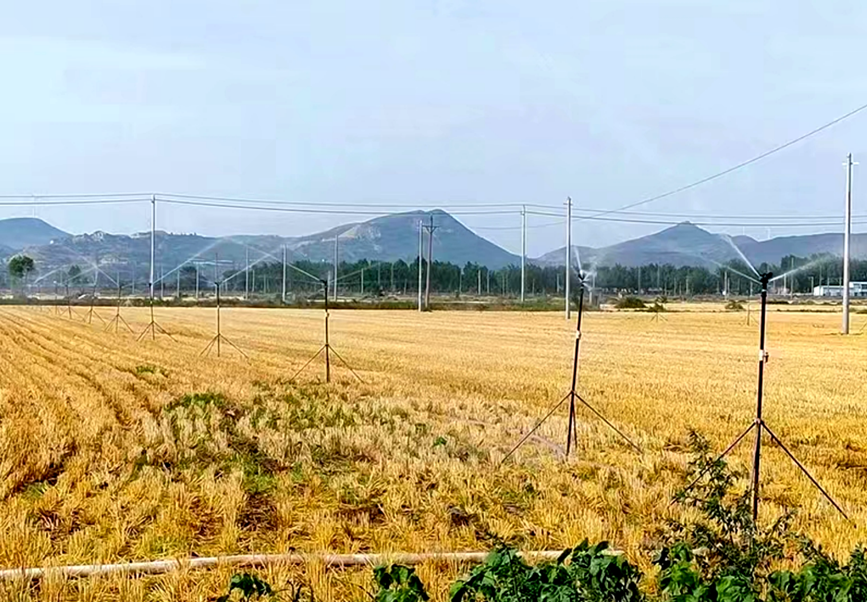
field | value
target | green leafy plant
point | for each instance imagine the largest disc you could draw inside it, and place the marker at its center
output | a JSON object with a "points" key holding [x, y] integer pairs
{"points": [[583, 574], [249, 587], [398, 583]]}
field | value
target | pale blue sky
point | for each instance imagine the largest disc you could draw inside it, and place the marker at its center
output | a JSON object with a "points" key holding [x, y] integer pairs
{"points": [[429, 103]]}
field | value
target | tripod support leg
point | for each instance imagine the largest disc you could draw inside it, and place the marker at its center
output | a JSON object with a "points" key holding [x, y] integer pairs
{"points": [[207, 349], [571, 427], [720, 457], [805, 471], [345, 363], [605, 420], [310, 361], [238, 349], [553, 409]]}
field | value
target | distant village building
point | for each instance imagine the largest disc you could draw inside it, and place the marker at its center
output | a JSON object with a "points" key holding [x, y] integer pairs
{"points": [[856, 289]]}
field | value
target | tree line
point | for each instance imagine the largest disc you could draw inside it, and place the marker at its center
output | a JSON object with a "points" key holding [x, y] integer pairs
{"points": [[400, 277]]}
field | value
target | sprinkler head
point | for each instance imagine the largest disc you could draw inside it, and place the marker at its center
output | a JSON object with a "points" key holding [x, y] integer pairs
{"points": [[765, 278]]}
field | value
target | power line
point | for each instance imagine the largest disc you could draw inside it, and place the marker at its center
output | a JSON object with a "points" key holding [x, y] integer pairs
{"points": [[36, 203], [702, 223], [86, 195], [739, 165], [280, 202], [310, 211]]}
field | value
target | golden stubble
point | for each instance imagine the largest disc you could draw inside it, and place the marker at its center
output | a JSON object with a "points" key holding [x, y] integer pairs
{"points": [[102, 462]]}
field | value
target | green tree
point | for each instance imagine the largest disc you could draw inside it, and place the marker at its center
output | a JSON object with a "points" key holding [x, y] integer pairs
{"points": [[20, 266], [75, 276]]}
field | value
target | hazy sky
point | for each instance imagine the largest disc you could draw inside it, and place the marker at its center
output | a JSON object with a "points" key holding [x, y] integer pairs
{"points": [[430, 104]]}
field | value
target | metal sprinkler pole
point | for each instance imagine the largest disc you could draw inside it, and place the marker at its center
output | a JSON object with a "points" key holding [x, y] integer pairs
{"points": [[336, 262], [327, 344], [846, 244], [431, 228], [568, 254], [153, 242], [420, 246], [572, 429], [763, 357], [523, 252], [284, 275]]}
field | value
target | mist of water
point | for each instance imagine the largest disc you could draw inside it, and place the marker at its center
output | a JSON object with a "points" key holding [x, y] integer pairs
{"points": [[806, 266], [740, 253], [731, 269], [191, 259]]}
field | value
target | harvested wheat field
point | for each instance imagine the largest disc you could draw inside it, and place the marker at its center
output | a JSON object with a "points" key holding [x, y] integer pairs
{"points": [[114, 451]]}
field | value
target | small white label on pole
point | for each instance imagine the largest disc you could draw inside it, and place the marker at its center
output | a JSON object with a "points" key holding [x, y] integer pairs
{"points": [[577, 335], [763, 355]]}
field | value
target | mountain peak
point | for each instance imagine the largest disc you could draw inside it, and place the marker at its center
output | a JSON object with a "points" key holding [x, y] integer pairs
{"points": [[18, 233]]}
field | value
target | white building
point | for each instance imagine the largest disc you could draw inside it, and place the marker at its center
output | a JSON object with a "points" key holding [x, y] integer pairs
{"points": [[856, 289]]}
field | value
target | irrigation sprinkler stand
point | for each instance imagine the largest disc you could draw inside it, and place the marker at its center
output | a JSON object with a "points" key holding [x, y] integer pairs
{"points": [[572, 395], [327, 348], [760, 426], [153, 327], [117, 320], [218, 338], [91, 312], [68, 302]]}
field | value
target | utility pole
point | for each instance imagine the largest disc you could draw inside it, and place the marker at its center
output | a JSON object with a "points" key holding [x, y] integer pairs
{"points": [[197, 281], [568, 254], [284, 275], [523, 251], [431, 229], [420, 247], [479, 276], [392, 276], [846, 247], [488, 272], [246, 274], [162, 283], [179, 285], [639, 280], [336, 258], [153, 238], [362, 282]]}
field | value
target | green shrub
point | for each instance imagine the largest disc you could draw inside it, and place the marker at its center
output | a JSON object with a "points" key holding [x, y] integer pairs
{"points": [[734, 305], [630, 303]]}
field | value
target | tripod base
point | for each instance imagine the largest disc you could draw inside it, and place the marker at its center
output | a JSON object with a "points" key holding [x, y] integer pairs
{"points": [[153, 328], [90, 314], [762, 426], [572, 429], [215, 344], [328, 349], [116, 321]]}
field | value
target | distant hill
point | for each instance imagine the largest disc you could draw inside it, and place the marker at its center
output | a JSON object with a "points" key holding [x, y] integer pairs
{"points": [[20, 232], [804, 246], [687, 244], [387, 238], [683, 244], [395, 236]]}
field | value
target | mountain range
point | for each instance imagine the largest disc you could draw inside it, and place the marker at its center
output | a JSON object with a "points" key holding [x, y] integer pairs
{"points": [[687, 244], [389, 238]]}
